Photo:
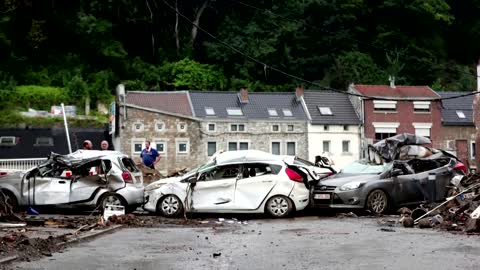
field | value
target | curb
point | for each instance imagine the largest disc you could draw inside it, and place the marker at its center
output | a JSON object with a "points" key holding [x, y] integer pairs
{"points": [[87, 236], [8, 259]]}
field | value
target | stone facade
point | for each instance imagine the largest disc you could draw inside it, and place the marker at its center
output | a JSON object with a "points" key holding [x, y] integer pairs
{"points": [[459, 140], [178, 139]]}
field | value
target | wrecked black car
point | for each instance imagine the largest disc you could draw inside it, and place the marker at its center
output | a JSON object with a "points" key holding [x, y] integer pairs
{"points": [[398, 171]]}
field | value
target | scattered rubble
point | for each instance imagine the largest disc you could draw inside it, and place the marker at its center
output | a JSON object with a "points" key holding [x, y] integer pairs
{"points": [[151, 175]]}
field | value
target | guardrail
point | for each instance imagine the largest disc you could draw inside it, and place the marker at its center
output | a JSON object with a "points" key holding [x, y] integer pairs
{"points": [[19, 164]]}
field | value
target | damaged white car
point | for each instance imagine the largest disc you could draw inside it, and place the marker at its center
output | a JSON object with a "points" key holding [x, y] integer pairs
{"points": [[90, 179], [246, 181]]}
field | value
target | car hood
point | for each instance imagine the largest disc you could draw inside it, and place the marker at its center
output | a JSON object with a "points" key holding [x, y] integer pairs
{"points": [[342, 179]]}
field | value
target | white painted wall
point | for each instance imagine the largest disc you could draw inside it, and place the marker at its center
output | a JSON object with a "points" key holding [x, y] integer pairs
{"points": [[336, 135]]}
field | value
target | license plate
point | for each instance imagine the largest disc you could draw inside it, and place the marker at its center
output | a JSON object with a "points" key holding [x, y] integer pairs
{"points": [[322, 196]]}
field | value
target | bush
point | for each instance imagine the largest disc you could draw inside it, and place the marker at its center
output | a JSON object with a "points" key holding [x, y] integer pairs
{"points": [[39, 97]]}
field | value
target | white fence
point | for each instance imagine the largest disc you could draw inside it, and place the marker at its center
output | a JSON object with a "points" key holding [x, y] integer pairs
{"points": [[19, 164]]}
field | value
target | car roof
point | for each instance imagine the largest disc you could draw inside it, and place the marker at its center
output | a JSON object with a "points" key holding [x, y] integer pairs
{"points": [[90, 154], [247, 156]]}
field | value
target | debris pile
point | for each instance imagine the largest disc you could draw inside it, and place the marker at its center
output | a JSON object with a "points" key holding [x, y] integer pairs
{"points": [[459, 212], [149, 175]]}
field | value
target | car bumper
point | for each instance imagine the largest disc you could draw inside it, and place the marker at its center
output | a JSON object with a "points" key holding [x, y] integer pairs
{"points": [[352, 199], [132, 194], [150, 201], [300, 196]]}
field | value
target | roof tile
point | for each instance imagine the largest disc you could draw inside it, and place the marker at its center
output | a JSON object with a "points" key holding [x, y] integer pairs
{"points": [[397, 92], [173, 102]]}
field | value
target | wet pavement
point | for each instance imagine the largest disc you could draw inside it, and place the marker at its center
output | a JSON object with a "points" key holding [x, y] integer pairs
{"points": [[296, 243]]}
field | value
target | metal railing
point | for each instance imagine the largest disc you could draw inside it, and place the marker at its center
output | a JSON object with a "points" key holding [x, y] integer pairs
{"points": [[19, 164]]}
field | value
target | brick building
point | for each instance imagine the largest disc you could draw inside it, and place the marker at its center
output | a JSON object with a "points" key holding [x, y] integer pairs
{"points": [[414, 112]]}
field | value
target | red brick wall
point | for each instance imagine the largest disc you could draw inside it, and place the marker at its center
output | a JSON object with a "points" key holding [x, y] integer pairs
{"points": [[405, 116], [462, 148]]}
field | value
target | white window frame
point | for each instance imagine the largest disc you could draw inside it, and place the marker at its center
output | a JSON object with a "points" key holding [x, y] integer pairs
{"points": [[385, 105], [216, 147], [272, 112], [214, 127], [279, 145], [234, 112], [156, 126], [472, 149], [325, 110], [134, 126], [50, 140], [179, 141], [182, 130], [160, 140], [287, 112], [13, 138], [329, 146], [137, 141], [209, 109], [238, 144], [349, 147], [286, 147], [385, 127], [278, 126], [421, 128], [421, 105]]}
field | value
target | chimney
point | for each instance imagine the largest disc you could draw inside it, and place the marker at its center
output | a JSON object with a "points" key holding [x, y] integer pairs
{"points": [[243, 95], [299, 91], [392, 81]]}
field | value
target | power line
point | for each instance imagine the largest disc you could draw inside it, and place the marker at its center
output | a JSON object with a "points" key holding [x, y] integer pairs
{"points": [[265, 65], [334, 33]]}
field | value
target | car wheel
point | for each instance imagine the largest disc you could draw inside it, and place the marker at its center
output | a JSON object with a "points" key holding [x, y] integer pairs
{"points": [[279, 206], [377, 201], [111, 199], [9, 199], [170, 206]]}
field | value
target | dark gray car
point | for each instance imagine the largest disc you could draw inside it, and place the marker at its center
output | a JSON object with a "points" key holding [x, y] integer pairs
{"points": [[378, 184]]}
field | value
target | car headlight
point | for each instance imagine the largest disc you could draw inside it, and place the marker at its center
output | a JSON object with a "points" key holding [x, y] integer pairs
{"points": [[351, 185]]}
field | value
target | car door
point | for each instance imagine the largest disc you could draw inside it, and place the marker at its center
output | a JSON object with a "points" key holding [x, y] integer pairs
{"points": [[47, 190], [215, 189], [87, 179], [253, 186], [409, 187]]}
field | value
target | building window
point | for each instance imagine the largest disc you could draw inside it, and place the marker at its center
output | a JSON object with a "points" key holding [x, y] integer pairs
{"points": [[234, 112], [181, 127], [325, 110], [237, 127], [382, 135], [43, 141], [287, 112], [326, 146], [422, 129], [211, 148], [345, 146], [291, 148], [8, 141], [421, 106], [234, 146], [182, 146], [211, 127], [160, 146], [345, 128], [138, 127], [385, 130], [326, 128], [276, 148], [160, 126], [272, 112], [275, 128], [290, 128], [209, 111], [460, 114], [385, 105], [137, 146], [473, 150]]}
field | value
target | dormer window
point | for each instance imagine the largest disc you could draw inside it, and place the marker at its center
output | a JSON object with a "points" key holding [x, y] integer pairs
{"points": [[287, 112], [272, 112], [43, 141], [8, 141], [325, 110], [460, 114], [234, 112], [209, 111]]}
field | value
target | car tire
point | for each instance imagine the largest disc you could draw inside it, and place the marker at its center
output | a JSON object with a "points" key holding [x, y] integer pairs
{"points": [[279, 206], [377, 202], [111, 198], [9, 198], [170, 206]]}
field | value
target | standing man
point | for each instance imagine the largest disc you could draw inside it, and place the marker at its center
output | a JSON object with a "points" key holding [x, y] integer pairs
{"points": [[149, 156], [87, 145], [104, 145]]}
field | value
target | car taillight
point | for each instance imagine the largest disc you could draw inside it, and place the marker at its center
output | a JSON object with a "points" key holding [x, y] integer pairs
{"points": [[330, 174], [461, 167], [293, 175], [3, 173], [127, 177]]}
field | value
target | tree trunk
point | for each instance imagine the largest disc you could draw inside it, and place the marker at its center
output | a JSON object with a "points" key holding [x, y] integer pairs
{"points": [[177, 40], [196, 22]]}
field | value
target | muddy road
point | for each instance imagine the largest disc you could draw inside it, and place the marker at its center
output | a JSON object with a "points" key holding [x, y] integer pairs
{"points": [[296, 243]]}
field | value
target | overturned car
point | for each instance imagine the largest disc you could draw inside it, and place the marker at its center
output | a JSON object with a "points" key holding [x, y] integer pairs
{"points": [[246, 181], [399, 171], [88, 179]]}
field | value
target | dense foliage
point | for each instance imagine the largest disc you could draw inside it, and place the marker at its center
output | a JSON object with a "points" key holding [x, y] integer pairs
{"points": [[88, 46]]}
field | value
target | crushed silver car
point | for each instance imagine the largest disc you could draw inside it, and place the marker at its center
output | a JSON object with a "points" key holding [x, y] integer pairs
{"points": [[85, 178]]}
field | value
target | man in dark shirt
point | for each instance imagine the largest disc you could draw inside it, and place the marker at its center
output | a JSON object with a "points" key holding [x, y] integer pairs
{"points": [[149, 156]]}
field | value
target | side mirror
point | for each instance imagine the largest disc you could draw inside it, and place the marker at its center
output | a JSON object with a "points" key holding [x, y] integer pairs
{"points": [[396, 172]]}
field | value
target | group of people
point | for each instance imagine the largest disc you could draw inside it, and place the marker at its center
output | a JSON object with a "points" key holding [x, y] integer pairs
{"points": [[88, 145], [149, 155]]}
